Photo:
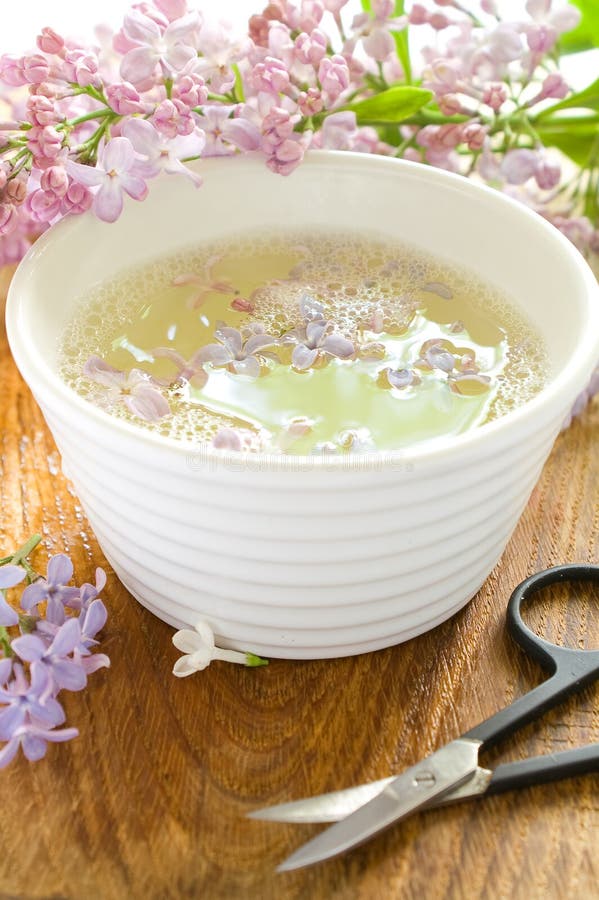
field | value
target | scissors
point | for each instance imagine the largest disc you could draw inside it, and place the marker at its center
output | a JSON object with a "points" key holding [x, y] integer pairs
{"points": [[453, 773]]}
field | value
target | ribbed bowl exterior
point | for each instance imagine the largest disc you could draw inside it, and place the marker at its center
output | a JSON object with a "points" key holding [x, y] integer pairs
{"points": [[306, 558], [314, 563]]}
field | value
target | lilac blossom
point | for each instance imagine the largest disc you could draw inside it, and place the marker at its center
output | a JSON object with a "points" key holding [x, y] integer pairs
{"points": [[191, 370], [225, 132], [62, 671], [116, 172], [9, 577], [242, 353], [199, 650], [33, 739], [136, 389], [160, 153], [317, 337], [50, 654], [28, 701], [205, 283], [53, 589], [227, 439], [172, 47]]}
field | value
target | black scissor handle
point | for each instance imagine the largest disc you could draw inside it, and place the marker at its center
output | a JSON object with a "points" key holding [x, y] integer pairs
{"points": [[570, 669], [563, 661]]}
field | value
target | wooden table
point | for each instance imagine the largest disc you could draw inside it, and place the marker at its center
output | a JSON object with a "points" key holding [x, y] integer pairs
{"points": [[149, 802]]}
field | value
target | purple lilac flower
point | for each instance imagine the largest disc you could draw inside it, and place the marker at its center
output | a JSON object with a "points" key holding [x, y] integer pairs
{"points": [[28, 701], [137, 390], [9, 577], [65, 673], [32, 739], [316, 336], [54, 589], [242, 353]]}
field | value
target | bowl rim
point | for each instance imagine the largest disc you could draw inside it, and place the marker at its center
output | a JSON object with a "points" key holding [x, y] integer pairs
{"points": [[43, 380]]}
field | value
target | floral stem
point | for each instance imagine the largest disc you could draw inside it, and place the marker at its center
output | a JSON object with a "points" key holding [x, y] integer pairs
{"points": [[235, 656], [5, 641], [18, 558]]}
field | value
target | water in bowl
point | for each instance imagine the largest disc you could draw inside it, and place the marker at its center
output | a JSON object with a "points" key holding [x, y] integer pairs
{"points": [[302, 343]]}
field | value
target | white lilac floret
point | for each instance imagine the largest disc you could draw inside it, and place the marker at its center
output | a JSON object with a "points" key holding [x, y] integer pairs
{"points": [[199, 651], [48, 654]]}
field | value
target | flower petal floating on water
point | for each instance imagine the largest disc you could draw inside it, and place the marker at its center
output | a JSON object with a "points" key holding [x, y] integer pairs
{"points": [[241, 352], [438, 288], [469, 384], [227, 439], [136, 389]]}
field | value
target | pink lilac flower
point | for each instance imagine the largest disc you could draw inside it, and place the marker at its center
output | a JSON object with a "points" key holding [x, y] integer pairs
{"points": [[560, 16], [9, 577], [240, 353], [519, 165], [225, 133], [172, 47], [136, 389], [172, 118], [190, 89], [45, 144], [50, 42], [82, 68], [377, 30], [286, 156], [270, 76], [205, 283], [227, 439], [124, 98], [219, 49], [53, 589], [333, 75], [311, 48], [339, 131], [554, 87], [191, 370], [62, 671], [162, 154], [117, 171], [78, 198]]}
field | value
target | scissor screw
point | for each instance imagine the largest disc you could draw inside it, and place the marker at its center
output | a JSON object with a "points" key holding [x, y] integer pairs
{"points": [[424, 779]]}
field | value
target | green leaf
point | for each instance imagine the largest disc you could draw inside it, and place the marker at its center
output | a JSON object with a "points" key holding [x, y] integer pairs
{"points": [[586, 35], [394, 105], [402, 43], [575, 141], [367, 6], [587, 99]]}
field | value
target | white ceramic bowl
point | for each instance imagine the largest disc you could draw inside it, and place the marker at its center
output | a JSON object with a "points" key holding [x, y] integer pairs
{"points": [[308, 557]]}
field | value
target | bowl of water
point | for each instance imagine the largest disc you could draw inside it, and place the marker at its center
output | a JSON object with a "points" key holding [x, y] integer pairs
{"points": [[307, 410]]}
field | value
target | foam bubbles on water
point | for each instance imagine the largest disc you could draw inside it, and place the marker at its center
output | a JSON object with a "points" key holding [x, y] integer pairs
{"points": [[360, 280]]}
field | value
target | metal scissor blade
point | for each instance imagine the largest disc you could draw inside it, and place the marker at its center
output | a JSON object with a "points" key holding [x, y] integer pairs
{"points": [[446, 769], [337, 805]]}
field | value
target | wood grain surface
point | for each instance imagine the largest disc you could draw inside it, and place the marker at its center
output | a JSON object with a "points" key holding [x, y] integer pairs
{"points": [[149, 801]]}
